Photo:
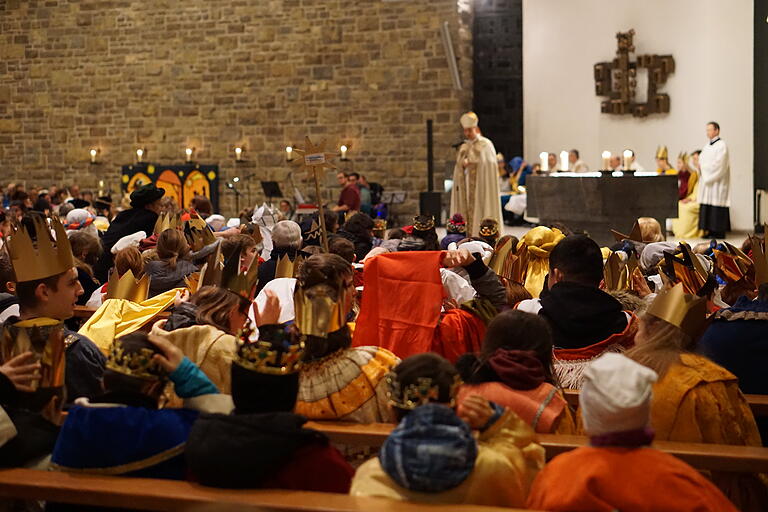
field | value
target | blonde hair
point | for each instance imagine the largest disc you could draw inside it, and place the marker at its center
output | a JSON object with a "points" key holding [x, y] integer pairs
{"points": [[651, 230], [662, 345], [129, 258]]}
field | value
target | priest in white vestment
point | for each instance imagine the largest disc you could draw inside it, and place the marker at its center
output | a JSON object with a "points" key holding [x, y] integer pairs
{"points": [[715, 185], [475, 192]]}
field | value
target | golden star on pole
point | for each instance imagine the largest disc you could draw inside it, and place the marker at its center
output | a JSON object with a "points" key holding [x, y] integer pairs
{"points": [[314, 159]]}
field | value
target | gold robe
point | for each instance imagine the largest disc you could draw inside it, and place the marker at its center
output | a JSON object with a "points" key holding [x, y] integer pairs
{"points": [[698, 401], [686, 225], [475, 185], [508, 460]]}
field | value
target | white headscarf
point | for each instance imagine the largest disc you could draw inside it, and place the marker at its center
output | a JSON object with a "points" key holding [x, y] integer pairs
{"points": [[616, 395]]}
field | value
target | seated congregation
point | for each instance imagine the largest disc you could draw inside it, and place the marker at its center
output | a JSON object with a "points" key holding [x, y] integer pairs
{"points": [[465, 351]]}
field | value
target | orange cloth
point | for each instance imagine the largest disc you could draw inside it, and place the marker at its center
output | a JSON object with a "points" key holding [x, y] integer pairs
{"points": [[401, 302], [458, 332], [543, 408], [606, 479], [697, 401]]}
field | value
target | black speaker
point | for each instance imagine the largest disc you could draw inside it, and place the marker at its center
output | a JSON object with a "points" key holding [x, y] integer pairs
{"points": [[430, 203]]}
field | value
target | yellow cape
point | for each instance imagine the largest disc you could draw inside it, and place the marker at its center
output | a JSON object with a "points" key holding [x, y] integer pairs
{"points": [[118, 317]]}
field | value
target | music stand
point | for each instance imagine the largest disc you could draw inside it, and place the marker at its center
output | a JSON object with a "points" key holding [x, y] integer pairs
{"points": [[271, 189]]}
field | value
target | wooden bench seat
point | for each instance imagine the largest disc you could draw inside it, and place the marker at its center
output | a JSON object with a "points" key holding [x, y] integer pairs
{"points": [[714, 457], [757, 403], [152, 494]]}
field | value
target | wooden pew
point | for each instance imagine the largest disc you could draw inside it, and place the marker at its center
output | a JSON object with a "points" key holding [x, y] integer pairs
{"points": [[715, 457], [152, 494], [758, 403]]}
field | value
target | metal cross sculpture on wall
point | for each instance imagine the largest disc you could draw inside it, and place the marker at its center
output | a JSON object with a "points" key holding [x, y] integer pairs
{"points": [[618, 80]]}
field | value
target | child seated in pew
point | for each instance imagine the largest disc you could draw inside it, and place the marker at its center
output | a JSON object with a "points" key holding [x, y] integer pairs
{"points": [[619, 470], [514, 370], [264, 444], [432, 455], [695, 400], [122, 432]]}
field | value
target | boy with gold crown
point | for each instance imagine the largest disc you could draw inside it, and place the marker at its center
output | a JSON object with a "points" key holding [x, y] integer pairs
{"points": [[47, 288], [694, 399]]}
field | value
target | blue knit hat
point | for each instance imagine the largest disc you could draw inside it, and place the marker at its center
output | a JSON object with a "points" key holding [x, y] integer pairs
{"points": [[432, 450]]}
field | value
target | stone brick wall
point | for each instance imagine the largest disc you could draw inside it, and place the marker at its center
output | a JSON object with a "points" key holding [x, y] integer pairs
{"points": [[166, 74]]}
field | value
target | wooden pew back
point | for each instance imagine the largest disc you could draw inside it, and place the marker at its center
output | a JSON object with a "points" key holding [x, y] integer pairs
{"points": [[713, 457], [152, 494]]}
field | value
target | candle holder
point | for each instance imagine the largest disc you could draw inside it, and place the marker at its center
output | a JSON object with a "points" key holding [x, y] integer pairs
{"points": [[94, 152], [189, 152], [343, 153], [140, 154], [289, 153], [239, 154]]}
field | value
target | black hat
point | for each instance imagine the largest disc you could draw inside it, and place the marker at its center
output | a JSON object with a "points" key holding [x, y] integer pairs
{"points": [[79, 203], [102, 202], [146, 194]]}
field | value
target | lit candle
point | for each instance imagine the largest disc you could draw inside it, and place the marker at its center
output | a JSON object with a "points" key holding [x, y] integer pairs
{"points": [[139, 154], [288, 153], [627, 157], [343, 149], [544, 158], [101, 187], [564, 161], [606, 160], [189, 151], [238, 154], [94, 152]]}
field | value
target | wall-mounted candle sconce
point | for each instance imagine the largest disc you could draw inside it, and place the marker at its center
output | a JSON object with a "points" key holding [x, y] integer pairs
{"points": [[189, 152], [343, 151], [94, 154], [288, 154], [140, 154], [239, 154]]}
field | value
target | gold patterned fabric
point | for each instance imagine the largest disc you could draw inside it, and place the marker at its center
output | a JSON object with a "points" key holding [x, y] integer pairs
{"points": [[539, 243]]}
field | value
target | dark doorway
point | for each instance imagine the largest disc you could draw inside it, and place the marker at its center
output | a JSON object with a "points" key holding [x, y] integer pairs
{"points": [[760, 165], [498, 73]]}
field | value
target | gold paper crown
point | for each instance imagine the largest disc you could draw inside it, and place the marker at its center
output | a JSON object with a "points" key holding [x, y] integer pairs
{"points": [[684, 157], [277, 357], [287, 267], [313, 233], [733, 265], [167, 221], [317, 313], [425, 390], [636, 235], [683, 310], [510, 260], [662, 153], [241, 283], [135, 364], [685, 269], [423, 222], [379, 227], [251, 229], [198, 233], [492, 230], [128, 287], [209, 274], [32, 261], [760, 258], [617, 274]]}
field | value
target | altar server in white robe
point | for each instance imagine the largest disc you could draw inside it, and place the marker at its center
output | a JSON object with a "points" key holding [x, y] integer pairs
{"points": [[715, 184], [475, 178]]}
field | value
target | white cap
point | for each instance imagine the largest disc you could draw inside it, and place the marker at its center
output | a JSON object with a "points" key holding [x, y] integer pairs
{"points": [[128, 241], [616, 395], [469, 120], [473, 246]]}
